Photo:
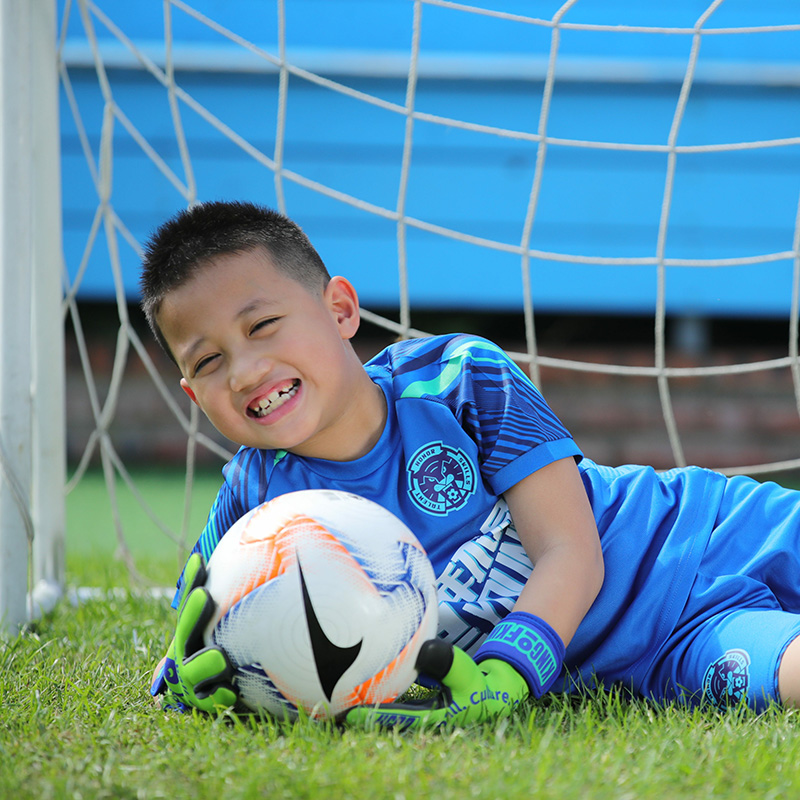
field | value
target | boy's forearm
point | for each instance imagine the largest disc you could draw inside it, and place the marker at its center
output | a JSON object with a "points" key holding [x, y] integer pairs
{"points": [[562, 588], [555, 523]]}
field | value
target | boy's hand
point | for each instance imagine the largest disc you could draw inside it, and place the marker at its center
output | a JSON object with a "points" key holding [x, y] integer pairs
{"points": [[469, 693], [196, 675]]}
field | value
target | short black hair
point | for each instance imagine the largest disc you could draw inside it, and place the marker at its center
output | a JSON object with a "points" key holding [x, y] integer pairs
{"points": [[192, 238]]}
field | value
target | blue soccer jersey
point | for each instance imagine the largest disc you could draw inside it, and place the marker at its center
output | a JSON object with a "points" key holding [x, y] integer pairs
{"points": [[465, 424]]}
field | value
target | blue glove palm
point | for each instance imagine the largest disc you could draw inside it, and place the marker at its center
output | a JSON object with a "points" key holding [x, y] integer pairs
{"points": [[195, 675]]}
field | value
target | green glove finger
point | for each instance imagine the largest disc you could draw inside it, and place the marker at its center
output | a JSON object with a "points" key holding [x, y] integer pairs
{"points": [[463, 674], [221, 698], [194, 575], [501, 674], [203, 681], [207, 667], [435, 658], [194, 614]]}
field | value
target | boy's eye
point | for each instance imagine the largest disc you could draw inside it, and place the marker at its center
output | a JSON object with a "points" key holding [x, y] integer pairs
{"points": [[263, 323], [202, 364]]}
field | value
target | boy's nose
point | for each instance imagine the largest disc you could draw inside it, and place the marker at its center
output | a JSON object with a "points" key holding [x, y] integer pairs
{"points": [[247, 372]]}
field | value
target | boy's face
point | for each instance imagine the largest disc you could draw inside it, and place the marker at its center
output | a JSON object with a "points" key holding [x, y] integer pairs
{"points": [[265, 358]]}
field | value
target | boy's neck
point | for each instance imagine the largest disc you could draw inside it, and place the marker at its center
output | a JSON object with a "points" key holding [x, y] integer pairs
{"points": [[372, 421], [359, 429]]}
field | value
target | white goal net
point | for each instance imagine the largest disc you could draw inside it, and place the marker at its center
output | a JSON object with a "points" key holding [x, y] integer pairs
{"points": [[547, 166]]}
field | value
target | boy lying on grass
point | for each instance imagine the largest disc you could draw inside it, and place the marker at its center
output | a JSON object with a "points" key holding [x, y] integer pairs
{"points": [[554, 573]]}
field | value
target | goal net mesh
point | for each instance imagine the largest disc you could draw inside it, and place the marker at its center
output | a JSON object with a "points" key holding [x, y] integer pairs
{"points": [[104, 123]]}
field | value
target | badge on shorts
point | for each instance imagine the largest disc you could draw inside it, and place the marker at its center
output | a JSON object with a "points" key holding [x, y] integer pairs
{"points": [[727, 679], [441, 478]]}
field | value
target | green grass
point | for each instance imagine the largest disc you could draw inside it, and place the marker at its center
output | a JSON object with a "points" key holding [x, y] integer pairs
{"points": [[93, 553], [76, 720]]}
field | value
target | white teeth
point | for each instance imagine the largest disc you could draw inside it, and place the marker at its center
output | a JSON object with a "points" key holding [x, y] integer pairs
{"points": [[274, 400], [269, 399]]}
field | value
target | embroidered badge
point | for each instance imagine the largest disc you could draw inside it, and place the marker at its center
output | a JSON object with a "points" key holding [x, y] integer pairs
{"points": [[441, 479], [727, 679]]}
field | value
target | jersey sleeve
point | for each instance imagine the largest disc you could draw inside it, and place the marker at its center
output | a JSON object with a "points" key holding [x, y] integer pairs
{"points": [[226, 509], [498, 406]]}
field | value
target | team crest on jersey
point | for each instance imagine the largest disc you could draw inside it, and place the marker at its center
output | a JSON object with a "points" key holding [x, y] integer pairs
{"points": [[441, 478], [727, 679]]}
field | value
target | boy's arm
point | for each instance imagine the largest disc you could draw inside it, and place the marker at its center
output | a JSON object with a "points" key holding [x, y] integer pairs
{"points": [[555, 523], [524, 652], [556, 526]]}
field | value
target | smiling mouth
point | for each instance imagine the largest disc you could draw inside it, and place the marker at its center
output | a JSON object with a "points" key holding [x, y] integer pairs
{"points": [[274, 400]]}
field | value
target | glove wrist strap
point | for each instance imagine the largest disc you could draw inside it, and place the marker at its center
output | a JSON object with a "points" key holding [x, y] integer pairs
{"points": [[530, 645]]}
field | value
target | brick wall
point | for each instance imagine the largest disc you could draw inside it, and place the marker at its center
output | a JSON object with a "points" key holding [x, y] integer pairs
{"points": [[723, 421]]}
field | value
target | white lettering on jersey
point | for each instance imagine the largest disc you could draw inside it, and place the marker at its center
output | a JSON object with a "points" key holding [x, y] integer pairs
{"points": [[482, 581]]}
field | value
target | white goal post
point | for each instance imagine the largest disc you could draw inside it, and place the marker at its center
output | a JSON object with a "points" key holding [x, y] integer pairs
{"points": [[32, 460]]}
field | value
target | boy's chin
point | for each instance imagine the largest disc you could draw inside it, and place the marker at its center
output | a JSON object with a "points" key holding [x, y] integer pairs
{"points": [[268, 443]]}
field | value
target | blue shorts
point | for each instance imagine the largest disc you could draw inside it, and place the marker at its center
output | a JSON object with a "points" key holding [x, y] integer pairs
{"points": [[743, 609]]}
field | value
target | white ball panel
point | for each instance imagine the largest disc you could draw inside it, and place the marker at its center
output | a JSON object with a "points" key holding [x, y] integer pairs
{"points": [[370, 585]]}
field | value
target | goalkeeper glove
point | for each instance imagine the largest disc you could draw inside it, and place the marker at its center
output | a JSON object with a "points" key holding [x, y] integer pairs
{"points": [[468, 693], [529, 644], [195, 675], [523, 655]]}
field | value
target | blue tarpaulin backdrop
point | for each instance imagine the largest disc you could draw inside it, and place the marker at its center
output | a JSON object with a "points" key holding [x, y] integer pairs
{"points": [[609, 87]]}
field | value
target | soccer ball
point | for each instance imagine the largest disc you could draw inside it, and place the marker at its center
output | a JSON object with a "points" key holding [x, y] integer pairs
{"points": [[324, 599]]}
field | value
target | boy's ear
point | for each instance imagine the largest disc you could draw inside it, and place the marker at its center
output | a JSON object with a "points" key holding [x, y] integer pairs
{"points": [[188, 389], [342, 299]]}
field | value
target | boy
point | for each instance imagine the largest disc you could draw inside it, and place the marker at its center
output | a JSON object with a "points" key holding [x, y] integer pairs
{"points": [[701, 596]]}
